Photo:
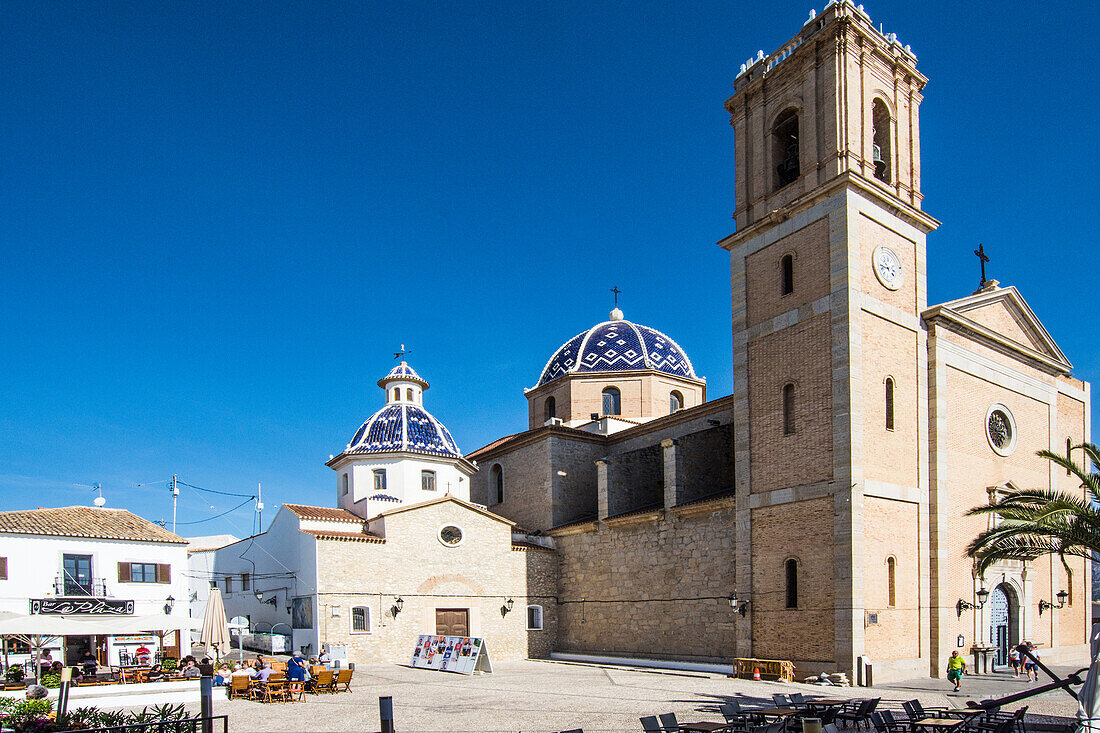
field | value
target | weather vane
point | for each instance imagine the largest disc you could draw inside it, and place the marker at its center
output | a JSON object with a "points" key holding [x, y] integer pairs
{"points": [[982, 258], [401, 354], [617, 292]]}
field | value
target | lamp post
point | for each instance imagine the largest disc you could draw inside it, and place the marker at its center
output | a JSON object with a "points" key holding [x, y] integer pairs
{"points": [[742, 607], [506, 608], [398, 604], [982, 595], [169, 604]]}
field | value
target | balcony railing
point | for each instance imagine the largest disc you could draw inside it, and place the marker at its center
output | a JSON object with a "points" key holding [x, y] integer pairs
{"points": [[70, 588]]}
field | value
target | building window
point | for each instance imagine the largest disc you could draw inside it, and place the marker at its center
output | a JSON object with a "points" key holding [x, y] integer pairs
{"points": [[229, 584], [427, 480], [244, 581], [496, 483], [792, 583], [396, 394], [785, 148], [612, 401], [881, 150], [78, 575], [344, 485], [889, 403], [1069, 454], [451, 536], [409, 394], [551, 408], [1000, 429], [143, 572], [379, 479], [3, 568], [675, 402], [786, 275], [360, 620], [534, 618], [1069, 587], [788, 410], [891, 582]]}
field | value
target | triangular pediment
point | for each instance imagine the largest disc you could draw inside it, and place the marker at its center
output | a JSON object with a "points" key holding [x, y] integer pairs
{"points": [[1003, 316]]}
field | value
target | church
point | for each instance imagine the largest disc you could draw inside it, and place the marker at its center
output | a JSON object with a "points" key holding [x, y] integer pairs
{"points": [[816, 515]]}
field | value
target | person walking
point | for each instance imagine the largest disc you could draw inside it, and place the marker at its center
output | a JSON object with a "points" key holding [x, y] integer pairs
{"points": [[956, 667], [1014, 661]]}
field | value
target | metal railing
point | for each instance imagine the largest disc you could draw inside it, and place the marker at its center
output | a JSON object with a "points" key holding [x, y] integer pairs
{"points": [[70, 588]]}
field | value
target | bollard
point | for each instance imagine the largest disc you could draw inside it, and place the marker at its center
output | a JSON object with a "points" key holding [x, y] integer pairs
{"points": [[385, 714], [206, 703]]}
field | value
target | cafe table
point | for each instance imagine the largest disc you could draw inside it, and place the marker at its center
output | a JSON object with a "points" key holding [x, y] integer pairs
{"points": [[703, 727], [774, 712], [938, 725]]}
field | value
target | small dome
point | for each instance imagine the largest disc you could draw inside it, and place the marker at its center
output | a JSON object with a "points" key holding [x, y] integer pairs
{"points": [[403, 427], [618, 345], [402, 372]]}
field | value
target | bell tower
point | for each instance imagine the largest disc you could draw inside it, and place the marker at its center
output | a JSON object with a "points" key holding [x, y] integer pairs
{"points": [[829, 354]]}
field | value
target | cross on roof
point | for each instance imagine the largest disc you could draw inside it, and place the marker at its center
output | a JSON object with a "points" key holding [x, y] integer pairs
{"points": [[982, 258], [617, 292]]}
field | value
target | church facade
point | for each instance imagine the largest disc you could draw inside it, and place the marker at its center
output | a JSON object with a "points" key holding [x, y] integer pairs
{"points": [[818, 513]]}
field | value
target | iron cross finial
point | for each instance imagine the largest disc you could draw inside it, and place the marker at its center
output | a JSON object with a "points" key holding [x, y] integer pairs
{"points": [[982, 258], [401, 354], [617, 292]]}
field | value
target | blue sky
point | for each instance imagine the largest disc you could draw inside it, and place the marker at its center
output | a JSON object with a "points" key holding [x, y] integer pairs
{"points": [[219, 220]]}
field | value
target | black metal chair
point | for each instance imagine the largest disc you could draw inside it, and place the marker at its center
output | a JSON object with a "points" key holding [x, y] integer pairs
{"points": [[859, 712], [781, 701], [668, 722], [650, 724], [916, 711]]}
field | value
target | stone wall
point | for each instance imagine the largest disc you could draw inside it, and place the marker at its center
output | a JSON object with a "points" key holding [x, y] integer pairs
{"points": [[636, 480], [705, 462]]}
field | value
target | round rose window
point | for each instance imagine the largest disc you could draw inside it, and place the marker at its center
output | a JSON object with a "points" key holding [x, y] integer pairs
{"points": [[1000, 429], [450, 535]]}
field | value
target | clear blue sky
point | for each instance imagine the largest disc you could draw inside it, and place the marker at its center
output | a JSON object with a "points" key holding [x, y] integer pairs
{"points": [[219, 220]]}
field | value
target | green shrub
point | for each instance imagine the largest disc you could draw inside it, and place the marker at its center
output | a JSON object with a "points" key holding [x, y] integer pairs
{"points": [[50, 680], [14, 673], [170, 665]]}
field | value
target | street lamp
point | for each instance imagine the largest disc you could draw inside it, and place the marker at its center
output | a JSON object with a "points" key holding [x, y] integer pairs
{"points": [[169, 604], [506, 607], [398, 604], [742, 607], [983, 596], [1044, 605]]}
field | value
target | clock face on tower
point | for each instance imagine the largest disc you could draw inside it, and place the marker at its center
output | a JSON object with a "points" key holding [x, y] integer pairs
{"points": [[887, 266]]}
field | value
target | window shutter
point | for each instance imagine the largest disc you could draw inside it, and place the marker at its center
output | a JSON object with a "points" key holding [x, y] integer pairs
{"points": [[3, 568], [164, 573], [124, 572]]}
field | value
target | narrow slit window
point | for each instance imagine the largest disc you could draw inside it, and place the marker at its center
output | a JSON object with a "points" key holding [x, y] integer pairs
{"points": [[1069, 454], [891, 580], [792, 583], [551, 408], [496, 475], [409, 394], [788, 410], [889, 403], [396, 394], [786, 269]]}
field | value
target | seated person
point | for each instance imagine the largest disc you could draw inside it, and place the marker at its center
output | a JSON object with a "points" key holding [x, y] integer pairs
{"points": [[191, 670], [77, 676], [156, 674], [221, 677], [89, 662], [142, 654], [266, 672], [246, 669], [56, 668]]}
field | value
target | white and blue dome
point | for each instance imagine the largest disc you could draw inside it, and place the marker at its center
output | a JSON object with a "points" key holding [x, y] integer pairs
{"points": [[403, 424], [618, 345]]}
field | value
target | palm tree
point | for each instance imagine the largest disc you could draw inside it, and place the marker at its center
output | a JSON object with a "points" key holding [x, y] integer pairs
{"points": [[1036, 522]]}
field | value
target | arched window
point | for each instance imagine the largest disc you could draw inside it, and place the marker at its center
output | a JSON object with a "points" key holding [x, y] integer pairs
{"points": [[550, 408], [612, 401], [891, 581], [496, 483], [675, 401], [791, 567], [409, 394], [379, 479], [786, 275], [344, 484], [396, 394], [889, 403], [427, 480], [882, 151], [785, 148], [788, 409]]}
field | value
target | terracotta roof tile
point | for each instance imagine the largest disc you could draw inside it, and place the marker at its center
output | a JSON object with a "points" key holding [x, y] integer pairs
{"points": [[86, 521], [324, 513], [345, 536]]}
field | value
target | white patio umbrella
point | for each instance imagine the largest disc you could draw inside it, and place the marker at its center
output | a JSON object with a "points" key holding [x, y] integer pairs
{"points": [[215, 628], [1088, 707]]}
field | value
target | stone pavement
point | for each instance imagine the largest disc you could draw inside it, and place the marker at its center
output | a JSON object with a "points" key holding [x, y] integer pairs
{"points": [[540, 696]]}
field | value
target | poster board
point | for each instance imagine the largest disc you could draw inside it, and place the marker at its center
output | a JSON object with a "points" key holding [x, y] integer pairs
{"points": [[461, 654]]}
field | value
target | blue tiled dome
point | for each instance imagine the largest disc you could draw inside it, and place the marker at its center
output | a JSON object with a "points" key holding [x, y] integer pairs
{"points": [[616, 346], [403, 427], [402, 371]]}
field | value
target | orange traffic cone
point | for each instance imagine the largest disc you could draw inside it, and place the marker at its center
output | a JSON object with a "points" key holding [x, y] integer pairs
{"points": [[756, 673]]}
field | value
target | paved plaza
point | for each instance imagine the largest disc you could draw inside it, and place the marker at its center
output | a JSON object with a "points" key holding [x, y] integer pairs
{"points": [[538, 696]]}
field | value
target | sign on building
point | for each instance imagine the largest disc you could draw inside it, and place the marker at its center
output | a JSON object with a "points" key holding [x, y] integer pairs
{"points": [[82, 606], [462, 654]]}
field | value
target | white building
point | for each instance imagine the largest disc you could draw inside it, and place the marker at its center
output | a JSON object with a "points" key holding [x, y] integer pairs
{"points": [[200, 567], [92, 561]]}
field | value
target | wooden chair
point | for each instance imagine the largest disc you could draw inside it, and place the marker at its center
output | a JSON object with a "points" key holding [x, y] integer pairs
{"points": [[343, 680], [274, 690], [323, 682], [294, 690], [238, 686]]}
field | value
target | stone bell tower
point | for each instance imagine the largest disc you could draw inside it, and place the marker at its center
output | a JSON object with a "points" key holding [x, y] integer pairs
{"points": [[830, 359]]}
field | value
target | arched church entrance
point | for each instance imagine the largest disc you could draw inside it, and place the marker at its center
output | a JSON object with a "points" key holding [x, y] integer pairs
{"points": [[1004, 621]]}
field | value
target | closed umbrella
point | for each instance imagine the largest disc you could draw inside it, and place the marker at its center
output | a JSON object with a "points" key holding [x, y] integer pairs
{"points": [[1088, 708], [215, 628]]}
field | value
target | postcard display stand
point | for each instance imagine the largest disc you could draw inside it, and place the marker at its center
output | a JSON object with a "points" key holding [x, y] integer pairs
{"points": [[462, 654]]}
